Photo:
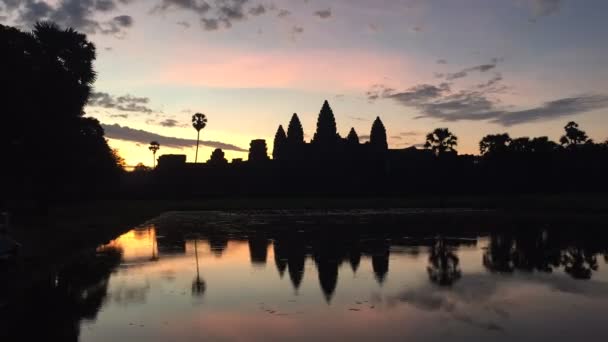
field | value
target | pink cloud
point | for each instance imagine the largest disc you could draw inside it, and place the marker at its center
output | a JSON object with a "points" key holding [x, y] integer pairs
{"points": [[313, 70]]}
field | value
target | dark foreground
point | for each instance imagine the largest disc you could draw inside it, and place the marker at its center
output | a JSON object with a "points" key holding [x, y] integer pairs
{"points": [[373, 274]]}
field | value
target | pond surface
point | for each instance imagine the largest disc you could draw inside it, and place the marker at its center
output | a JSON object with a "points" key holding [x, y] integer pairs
{"points": [[325, 276]]}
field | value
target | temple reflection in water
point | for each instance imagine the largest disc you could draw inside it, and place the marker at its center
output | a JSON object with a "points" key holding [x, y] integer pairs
{"points": [[173, 272], [502, 252]]}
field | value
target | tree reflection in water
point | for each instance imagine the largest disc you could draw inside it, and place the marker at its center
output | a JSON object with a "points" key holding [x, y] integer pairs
{"points": [[69, 295], [539, 250], [443, 266], [198, 284], [77, 291]]}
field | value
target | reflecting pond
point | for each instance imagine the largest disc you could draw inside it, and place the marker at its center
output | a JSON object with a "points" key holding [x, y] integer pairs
{"points": [[324, 276]]}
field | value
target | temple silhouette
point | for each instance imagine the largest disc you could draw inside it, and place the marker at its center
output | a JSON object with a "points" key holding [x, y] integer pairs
{"points": [[327, 164], [326, 146], [331, 165]]}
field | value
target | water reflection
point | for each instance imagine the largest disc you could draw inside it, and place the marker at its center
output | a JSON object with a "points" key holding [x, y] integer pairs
{"points": [[54, 309], [337, 284], [198, 284]]}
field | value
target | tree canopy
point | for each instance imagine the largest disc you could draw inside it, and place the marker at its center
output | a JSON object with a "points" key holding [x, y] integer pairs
{"points": [[441, 141], [50, 73]]}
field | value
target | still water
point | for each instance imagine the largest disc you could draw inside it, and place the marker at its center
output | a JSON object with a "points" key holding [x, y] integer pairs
{"points": [[286, 276]]}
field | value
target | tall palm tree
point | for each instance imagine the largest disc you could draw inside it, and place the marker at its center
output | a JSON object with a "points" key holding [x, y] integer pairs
{"points": [[154, 146], [441, 141], [198, 284], [199, 121]]}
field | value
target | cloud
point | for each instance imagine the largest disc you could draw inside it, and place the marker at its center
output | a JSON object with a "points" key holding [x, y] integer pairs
{"points": [[170, 123], [418, 94], [432, 102], [295, 31], [123, 116], [323, 14], [411, 134], [184, 24], [283, 13], [125, 133], [214, 14], [465, 72], [442, 61], [117, 25], [555, 109], [125, 103], [478, 102], [78, 14], [257, 10], [357, 118], [200, 7], [541, 8]]}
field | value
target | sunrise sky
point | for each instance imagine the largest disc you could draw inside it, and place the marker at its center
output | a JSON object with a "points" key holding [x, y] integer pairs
{"points": [[476, 66]]}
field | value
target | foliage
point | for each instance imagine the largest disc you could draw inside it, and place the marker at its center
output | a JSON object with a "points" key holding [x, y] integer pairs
{"points": [[199, 121], [574, 136], [141, 168], [493, 144], [441, 141], [50, 73]]}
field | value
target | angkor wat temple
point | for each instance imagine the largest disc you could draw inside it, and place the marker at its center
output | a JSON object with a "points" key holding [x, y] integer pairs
{"points": [[332, 165], [327, 164], [290, 148]]}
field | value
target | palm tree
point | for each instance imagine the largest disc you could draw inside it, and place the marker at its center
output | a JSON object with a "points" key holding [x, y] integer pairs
{"points": [[441, 141], [198, 284], [199, 121], [154, 146]]}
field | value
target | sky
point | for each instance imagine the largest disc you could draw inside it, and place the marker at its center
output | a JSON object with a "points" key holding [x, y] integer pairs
{"points": [[477, 67]]}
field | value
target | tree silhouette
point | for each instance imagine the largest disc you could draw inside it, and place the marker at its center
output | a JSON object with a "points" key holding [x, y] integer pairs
{"points": [[50, 73], [441, 141], [198, 284], [154, 147], [494, 144], [295, 132], [141, 168], [443, 266], [120, 161], [377, 138], [199, 121], [217, 157], [520, 145], [326, 134], [352, 139], [543, 145], [578, 262], [574, 136], [280, 142]]}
